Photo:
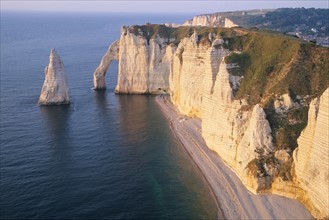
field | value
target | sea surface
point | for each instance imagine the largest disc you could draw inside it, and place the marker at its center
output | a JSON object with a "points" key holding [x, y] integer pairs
{"points": [[105, 156]]}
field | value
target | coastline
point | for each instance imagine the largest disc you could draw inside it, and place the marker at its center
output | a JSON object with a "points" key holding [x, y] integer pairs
{"points": [[233, 199]]}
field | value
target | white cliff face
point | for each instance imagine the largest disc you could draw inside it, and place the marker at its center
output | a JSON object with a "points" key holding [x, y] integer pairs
{"points": [[144, 67], [229, 23], [187, 78], [200, 85], [160, 65], [213, 20], [218, 110], [99, 74], [133, 64], [311, 158], [257, 136], [54, 90], [234, 134], [196, 77]]}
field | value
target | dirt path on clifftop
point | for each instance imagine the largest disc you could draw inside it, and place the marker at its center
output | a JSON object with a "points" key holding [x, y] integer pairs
{"points": [[233, 199]]}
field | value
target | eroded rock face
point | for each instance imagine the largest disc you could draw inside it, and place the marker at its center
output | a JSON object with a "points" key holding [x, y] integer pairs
{"points": [[186, 79], [54, 90], [205, 20], [198, 80], [196, 77], [311, 158], [229, 23], [99, 74], [210, 20], [144, 66], [235, 134], [201, 86]]}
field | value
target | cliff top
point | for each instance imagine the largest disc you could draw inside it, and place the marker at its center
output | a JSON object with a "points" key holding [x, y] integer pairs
{"points": [[150, 31], [271, 63]]}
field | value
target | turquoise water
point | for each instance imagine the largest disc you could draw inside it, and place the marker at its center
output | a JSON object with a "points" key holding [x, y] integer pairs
{"points": [[105, 156]]}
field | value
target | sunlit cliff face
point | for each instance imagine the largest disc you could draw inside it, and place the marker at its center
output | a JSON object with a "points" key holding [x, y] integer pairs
{"points": [[200, 83], [54, 90]]}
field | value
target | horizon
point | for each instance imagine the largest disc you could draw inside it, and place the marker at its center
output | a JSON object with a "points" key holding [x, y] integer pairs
{"points": [[164, 7]]}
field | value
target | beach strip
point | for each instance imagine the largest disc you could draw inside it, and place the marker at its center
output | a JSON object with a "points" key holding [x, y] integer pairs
{"points": [[233, 199]]}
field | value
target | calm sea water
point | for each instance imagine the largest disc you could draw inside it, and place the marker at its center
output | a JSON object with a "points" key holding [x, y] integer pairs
{"points": [[104, 156]]}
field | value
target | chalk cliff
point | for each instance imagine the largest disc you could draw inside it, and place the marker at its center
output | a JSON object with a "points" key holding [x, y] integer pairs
{"points": [[210, 20], [311, 158], [99, 74], [186, 79], [206, 75], [54, 90], [200, 87], [144, 64], [206, 20]]}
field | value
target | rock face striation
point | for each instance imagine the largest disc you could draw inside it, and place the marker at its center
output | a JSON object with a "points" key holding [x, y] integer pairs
{"points": [[311, 158], [144, 64], [210, 20], [54, 90], [199, 80], [200, 86]]}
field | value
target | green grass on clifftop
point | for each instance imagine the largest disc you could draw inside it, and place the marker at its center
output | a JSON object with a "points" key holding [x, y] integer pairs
{"points": [[270, 64], [274, 64], [277, 64], [150, 31]]}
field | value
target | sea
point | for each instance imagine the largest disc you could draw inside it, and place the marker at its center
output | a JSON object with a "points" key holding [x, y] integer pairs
{"points": [[105, 156]]}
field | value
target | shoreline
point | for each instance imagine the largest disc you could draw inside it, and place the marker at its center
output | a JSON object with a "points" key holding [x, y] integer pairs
{"points": [[220, 214], [232, 198]]}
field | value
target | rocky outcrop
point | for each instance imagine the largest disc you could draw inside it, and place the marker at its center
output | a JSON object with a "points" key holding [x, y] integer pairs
{"points": [[54, 90], [283, 104], [213, 20], [144, 65], [229, 23], [210, 20], [311, 158], [186, 79], [99, 74], [200, 86]]}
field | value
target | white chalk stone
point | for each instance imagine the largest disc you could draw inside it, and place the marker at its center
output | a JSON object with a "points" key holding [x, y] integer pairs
{"points": [[54, 90], [311, 158], [99, 74]]}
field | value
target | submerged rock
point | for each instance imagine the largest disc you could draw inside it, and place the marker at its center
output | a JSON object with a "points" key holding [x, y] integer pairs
{"points": [[54, 90]]}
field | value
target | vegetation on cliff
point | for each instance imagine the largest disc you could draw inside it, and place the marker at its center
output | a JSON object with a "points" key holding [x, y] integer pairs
{"points": [[270, 65], [175, 35], [273, 64]]}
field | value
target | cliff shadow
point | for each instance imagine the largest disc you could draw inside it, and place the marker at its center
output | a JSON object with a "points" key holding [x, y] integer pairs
{"points": [[215, 65], [133, 115], [107, 115], [102, 104], [56, 120]]}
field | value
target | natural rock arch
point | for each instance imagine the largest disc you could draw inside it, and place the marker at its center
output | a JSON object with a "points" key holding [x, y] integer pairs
{"points": [[99, 74]]}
